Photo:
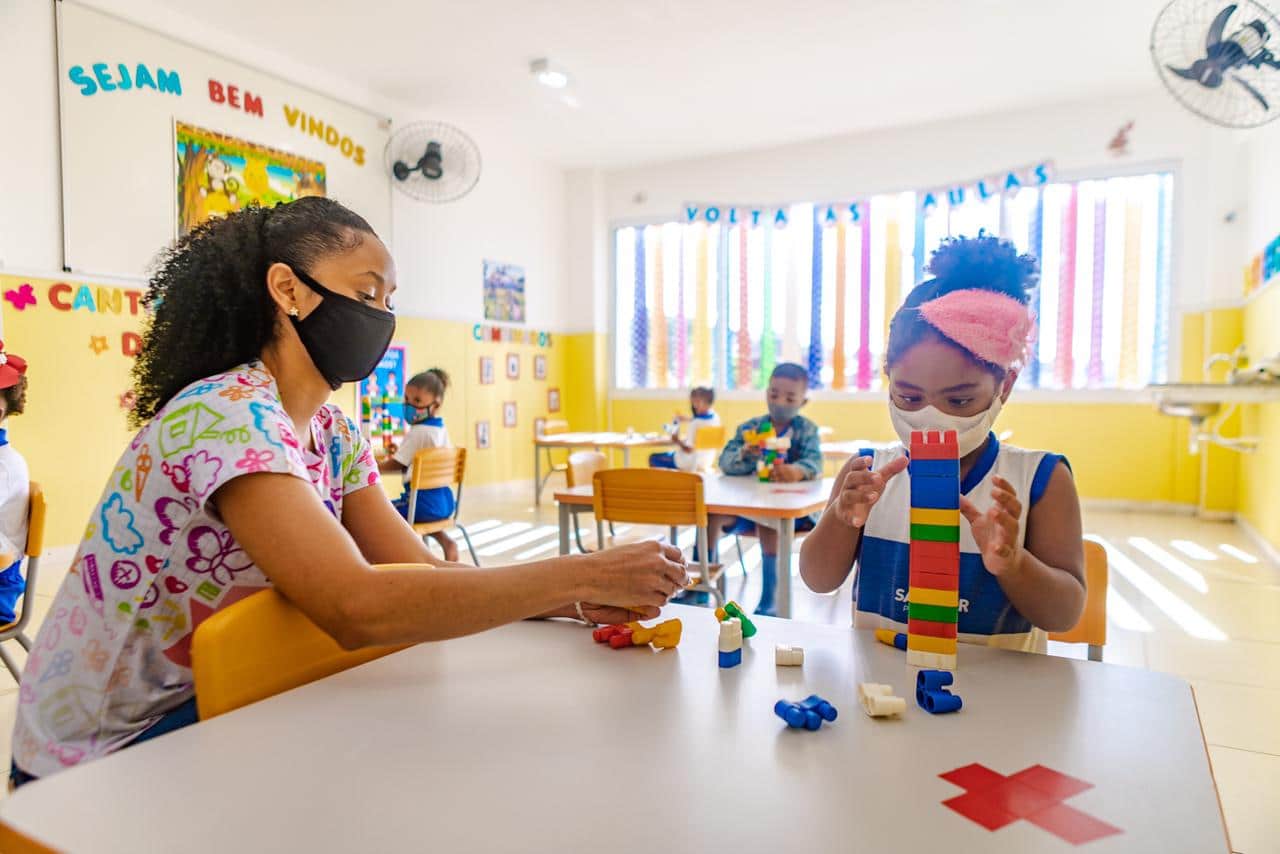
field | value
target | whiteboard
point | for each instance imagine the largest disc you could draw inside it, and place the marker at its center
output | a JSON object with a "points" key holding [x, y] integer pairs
{"points": [[122, 88]]}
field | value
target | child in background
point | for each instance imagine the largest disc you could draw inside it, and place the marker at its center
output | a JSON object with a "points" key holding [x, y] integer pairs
{"points": [[15, 486], [787, 393], [953, 356], [423, 397], [686, 457]]}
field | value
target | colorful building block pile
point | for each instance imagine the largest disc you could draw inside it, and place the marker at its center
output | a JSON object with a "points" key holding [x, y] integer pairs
{"points": [[730, 642], [934, 595], [732, 610], [770, 445], [665, 635]]}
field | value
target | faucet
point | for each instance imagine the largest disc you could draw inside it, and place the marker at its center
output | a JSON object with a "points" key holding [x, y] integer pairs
{"points": [[1237, 359]]}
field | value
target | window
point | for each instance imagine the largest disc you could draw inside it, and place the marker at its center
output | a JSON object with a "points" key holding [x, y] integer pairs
{"points": [[722, 303]]}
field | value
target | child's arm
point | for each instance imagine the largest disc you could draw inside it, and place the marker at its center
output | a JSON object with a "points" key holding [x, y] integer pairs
{"points": [[390, 465], [808, 462], [827, 553], [1044, 579], [738, 457]]}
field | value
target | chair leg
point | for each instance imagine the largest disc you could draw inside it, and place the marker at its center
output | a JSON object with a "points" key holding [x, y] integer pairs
{"points": [[8, 662], [1095, 652], [467, 539], [22, 638], [742, 561], [612, 532], [577, 532]]}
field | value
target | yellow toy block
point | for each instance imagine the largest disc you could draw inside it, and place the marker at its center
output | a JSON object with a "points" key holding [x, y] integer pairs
{"points": [[925, 516], [721, 616], [926, 596], [665, 635], [924, 643]]}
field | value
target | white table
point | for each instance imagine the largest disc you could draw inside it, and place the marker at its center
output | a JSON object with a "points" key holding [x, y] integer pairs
{"points": [[606, 441], [533, 738], [777, 505]]}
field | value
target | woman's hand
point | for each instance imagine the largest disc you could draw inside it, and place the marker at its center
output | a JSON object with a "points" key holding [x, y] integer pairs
{"points": [[639, 575], [607, 615], [996, 531], [862, 488]]}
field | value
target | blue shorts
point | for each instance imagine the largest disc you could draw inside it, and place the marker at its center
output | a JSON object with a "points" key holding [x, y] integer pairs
{"points": [[746, 528], [662, 461], [433, 504], [12, 587]]}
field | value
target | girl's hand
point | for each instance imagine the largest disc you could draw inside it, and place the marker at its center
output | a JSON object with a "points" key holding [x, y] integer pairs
{"points": [[644, 574], [996, 531], [607, 615], [786, 473], [861, 488]]}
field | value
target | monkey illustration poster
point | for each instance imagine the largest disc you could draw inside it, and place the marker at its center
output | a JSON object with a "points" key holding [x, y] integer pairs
{"points": [[218, 174]]}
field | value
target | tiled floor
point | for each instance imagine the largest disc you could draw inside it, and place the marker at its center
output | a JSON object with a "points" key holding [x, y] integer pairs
{"points": [[1192, 598]]}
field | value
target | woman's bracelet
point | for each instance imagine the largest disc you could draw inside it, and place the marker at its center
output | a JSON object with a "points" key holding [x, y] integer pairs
{"points": [[582, 616]]}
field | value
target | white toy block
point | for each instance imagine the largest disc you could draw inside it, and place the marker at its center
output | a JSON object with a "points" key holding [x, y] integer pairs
{"points": [[930, 660], [878, 700], [788, 656], [730, 635]]}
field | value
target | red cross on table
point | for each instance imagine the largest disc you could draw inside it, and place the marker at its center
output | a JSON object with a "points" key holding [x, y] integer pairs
{"points": [[1036, 794]]}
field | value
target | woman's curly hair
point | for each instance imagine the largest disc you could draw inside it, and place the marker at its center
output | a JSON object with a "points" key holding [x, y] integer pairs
{"points": [[210, 308], [15, 397], [983, 263]]}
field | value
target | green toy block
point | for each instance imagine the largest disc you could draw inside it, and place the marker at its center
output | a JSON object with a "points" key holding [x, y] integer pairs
{"points": [[936, 533], [748, 627], [936, 613]]}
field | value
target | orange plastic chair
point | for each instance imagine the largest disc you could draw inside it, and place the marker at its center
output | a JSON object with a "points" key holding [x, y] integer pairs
{"points": [[262, 646], [36, 510], [582, 466], [434, 468], [1092, 628], [14, 841], [708, 438], [658, 497]]}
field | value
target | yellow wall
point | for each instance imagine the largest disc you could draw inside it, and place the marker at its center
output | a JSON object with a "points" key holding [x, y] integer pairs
{"points": [[74, 429], [1125, 452], [1259, 499]]}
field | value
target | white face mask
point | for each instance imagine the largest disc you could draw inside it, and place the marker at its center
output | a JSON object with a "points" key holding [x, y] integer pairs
{"points": [[971, 430]]}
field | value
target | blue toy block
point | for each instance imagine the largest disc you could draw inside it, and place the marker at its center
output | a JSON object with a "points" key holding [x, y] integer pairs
{"points": [[935, 493], [808, 713], [731, 659], [932, 695], [934, 468]]}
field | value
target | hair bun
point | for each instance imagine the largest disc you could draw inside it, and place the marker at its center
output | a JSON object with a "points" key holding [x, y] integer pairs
{"points": [[985, 263]]}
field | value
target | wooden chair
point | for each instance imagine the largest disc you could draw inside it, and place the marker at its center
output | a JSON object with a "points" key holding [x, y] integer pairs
{"points": [[36, 510], [434, 468], [14, 841], [658, 497], [1092, 628], [552, 428], [582, 466], [262, 646]]}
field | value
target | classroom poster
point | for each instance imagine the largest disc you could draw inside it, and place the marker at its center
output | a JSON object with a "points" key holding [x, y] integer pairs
{"points": [[503, 292], [382, 395], [218, 174]]}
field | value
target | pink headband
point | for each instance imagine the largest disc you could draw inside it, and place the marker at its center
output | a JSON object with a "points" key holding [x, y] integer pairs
{"points": [[992, 326]]}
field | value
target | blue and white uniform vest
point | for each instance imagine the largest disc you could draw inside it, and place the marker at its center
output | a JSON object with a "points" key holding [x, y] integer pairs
{"points": [[986, 614]]}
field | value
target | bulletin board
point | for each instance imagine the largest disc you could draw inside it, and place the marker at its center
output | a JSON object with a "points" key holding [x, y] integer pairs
{"points": [[123, 91]]}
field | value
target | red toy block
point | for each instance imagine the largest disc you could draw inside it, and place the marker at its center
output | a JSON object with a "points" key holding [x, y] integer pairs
{"points": [[926, 580], [929, 628], [606, 633], [621, 639], [1071, 825], [934, 445], [948, 553]]}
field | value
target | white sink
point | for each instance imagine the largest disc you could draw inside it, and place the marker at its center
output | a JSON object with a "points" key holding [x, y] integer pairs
{"points": [[1185, 394]]}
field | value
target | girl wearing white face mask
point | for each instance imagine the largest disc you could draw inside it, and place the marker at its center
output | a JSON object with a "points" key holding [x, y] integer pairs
{"points": [[954, 351]]}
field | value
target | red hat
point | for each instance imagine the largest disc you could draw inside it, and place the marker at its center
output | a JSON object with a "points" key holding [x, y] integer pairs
{"points": [[12, 367]]}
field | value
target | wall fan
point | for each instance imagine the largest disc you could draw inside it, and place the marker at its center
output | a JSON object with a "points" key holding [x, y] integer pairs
{"points": [[433, 162], [1215, 59]]}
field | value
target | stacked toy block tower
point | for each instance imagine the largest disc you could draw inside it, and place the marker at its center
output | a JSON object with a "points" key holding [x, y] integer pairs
{"points": [[934, 594]]}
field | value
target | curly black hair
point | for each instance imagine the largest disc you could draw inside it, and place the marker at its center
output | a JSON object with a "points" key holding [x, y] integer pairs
{"points": [[15, 397], [984, 263], [210, 309]]}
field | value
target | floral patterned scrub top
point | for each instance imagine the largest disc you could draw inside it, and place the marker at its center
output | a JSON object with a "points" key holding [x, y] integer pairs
{"points": [[114, 654]]}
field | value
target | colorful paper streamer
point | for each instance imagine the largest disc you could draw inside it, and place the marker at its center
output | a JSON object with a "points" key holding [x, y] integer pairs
{"points": [[702, 303], [1036, 242], [1065, 362], [682, 331], [815, 306], [659, 327], [837, 343], [768, 348], [1099, 284], [744, 331], [864, 300], [892, 276], [640, 322]]}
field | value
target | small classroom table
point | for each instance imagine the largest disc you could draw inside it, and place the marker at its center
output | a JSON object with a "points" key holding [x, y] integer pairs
{"points": [[775, 504], [533, 738], [598, 441]]}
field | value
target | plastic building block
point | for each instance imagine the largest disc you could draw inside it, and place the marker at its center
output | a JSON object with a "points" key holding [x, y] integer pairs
{"points": [[936, 533], [808, 713], [892, 638], [605, 633], [932, 694], [932, 596], [935, 445], [734, 610], [788, 656], [934, 580], [936, 613], [878, 700], [731, 659], [933, 660], [924, 643], [621, 639], [935, 493], [925, 516], [721, 615], [944, 555], [948, 468], [730, 643], [665, 635], [932, 629]]}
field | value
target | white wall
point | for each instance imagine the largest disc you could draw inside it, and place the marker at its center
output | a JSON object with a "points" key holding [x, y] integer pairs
{"points": [[516, 214], [1074, 136]]}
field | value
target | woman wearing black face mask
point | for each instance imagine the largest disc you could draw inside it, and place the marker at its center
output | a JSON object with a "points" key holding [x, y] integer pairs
{"points": [[241, 477]]}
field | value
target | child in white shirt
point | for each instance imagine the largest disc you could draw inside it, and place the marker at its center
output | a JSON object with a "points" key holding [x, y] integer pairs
{"points": [[686, 457], [15, 487], [423, 397]]}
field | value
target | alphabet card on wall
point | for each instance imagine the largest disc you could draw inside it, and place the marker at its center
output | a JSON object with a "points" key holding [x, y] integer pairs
{"points": [[482, 435], [486, 370], [553, 400], [509, 414], [513, 366], [539, 367]]}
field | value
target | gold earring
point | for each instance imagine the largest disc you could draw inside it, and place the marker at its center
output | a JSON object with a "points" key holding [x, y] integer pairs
{"points": [[293, 311]]}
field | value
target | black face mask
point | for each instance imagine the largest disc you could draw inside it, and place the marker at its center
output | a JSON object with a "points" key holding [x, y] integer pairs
{"points": [[344, 337]]}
